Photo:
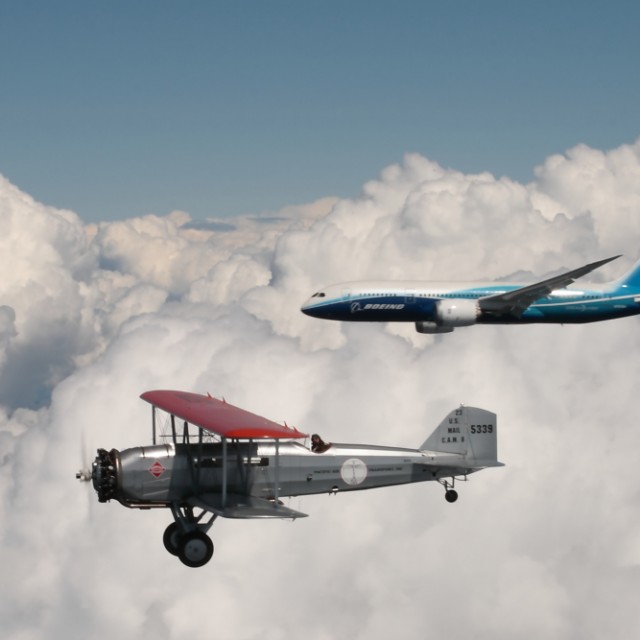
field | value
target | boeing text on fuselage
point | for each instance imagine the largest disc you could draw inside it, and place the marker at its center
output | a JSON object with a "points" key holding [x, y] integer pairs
{"points": [[357, 306], [441, 307]]}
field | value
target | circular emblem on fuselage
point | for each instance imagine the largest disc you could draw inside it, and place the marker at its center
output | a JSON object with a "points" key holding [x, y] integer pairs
{"points": [[353, 471]]}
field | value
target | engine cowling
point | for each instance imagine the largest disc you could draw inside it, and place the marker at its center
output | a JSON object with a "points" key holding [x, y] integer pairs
{"points": [[449, 314], [457, 313], [426, 326]]}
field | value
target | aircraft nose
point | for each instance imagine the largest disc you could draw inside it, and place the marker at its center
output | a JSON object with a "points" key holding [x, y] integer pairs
{"points": [[315, 306], [307, 308]]}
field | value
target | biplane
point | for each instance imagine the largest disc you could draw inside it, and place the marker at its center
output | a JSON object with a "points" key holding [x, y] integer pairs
{"points": [[210, 459]]}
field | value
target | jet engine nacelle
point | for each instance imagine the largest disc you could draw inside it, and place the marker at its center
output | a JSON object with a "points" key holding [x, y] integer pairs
{"points": [[457, 313], [449, 314]]}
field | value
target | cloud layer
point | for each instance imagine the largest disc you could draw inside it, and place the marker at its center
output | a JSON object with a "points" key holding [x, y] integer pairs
{"points": [[93, 315]]}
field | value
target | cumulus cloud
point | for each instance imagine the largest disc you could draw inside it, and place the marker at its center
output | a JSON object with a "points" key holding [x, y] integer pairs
{"points": [[93, 315]]}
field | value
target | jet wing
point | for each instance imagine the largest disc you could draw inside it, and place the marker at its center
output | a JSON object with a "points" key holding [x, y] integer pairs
{"points": [[516, 301], [218, 416], [247, 507]]}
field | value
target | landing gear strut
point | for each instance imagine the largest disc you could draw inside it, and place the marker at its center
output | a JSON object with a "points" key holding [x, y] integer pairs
{"points": [[187, 537]]}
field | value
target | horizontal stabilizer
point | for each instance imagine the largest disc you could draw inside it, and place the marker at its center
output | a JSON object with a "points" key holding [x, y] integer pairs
{"points": [[239, 506]]}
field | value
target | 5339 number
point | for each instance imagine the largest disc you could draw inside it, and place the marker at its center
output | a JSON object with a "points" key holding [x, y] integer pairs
{"points": [[481, 428]]}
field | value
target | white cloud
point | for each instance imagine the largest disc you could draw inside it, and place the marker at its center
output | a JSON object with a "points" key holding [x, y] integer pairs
{"points": [[605, 184], [90, 317]]}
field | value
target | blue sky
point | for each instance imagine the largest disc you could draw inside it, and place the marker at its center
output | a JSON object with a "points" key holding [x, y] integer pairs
{"points": [[118, 109]]}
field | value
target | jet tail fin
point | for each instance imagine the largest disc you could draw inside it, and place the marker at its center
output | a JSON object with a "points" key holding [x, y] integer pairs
{"points": [[470, 432]]}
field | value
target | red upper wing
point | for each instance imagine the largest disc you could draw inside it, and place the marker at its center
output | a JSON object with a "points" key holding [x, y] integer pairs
{"points": [[217, 416]]}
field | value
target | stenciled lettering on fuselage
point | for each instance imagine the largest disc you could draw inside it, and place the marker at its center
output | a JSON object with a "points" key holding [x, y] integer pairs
{"points": [[358, 306]]}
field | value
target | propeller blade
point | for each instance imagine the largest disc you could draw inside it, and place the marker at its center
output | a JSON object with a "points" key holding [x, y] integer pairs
{"points": [[84, 474]]}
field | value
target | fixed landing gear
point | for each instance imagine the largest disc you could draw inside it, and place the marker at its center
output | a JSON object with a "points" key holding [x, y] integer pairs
{"points": [[450, 494], [171, 538], [187, 539], [195, 549]]}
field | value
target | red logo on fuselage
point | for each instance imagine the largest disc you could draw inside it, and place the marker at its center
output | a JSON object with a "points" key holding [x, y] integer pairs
{"points": [[156, 469]]}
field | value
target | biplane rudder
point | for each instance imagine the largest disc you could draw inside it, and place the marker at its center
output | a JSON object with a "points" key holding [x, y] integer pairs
{"points": [[470, 432]]}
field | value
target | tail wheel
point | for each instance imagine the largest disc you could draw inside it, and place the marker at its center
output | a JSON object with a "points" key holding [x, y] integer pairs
{"points": [[450, 495], [195, 549], [171, 538]]}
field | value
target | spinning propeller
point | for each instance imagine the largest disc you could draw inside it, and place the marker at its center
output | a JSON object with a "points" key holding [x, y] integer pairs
{"points": [[85, 473]]}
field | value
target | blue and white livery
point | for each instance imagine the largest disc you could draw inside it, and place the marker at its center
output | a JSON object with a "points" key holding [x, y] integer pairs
{"points": [[440, 307]]}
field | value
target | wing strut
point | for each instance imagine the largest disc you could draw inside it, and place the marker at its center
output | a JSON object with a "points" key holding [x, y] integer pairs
{"points": [[224, 472], [276, 473], [195, 471], [173, 429]]}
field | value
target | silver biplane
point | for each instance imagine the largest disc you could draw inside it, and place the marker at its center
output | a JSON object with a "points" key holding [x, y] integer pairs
{"points": [[225, 461]]}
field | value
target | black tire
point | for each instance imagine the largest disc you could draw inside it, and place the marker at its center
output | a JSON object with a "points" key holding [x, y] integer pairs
{"points": [[195, 549], [171, 538], [451, 495]]}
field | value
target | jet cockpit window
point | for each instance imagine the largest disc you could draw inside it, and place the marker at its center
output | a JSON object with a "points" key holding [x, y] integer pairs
{"points": [[319, 294]]}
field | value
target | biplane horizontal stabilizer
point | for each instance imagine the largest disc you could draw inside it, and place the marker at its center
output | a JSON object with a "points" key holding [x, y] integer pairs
{"points": [[244, 507]]}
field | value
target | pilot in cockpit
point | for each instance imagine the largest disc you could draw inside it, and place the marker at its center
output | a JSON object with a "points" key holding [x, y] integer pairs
{"points": [[318, 445]]}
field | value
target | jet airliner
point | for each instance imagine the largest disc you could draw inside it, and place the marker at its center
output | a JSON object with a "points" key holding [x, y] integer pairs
{"points": [[441, 307]]}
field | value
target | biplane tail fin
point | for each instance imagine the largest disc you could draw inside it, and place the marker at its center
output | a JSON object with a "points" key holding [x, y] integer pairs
{"points": [[469, 432]]}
